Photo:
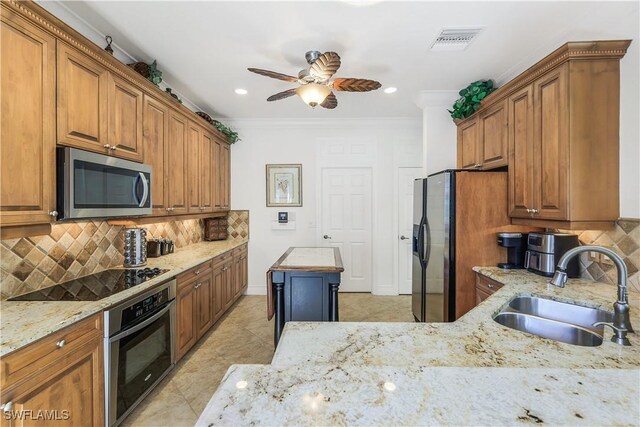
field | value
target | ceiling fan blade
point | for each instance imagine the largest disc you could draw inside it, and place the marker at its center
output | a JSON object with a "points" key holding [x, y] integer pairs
{"points": [[330, 102], [325, 66], [273, 75], [355, 85], [282, 95]]}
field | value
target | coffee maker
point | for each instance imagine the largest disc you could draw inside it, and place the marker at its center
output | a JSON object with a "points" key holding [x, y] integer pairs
{"points": [[516, 244]]}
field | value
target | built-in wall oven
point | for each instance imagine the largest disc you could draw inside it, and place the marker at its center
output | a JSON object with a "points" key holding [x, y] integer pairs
{"points": [[92, 185], [139, 348]]}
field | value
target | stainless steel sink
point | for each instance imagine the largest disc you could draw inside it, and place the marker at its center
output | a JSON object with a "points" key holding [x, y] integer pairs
{"points": [[560, 311], [559, 321]]}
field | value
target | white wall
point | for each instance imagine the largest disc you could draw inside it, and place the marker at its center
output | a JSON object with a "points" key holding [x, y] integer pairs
{"points": [[439, 133], [383, 144]]}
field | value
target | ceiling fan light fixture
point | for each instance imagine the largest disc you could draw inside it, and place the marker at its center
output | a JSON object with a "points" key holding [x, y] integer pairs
{"points": [[313, 94]]}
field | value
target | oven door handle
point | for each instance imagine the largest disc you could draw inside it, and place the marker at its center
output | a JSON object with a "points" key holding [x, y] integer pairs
{"points": [[143, 324]]}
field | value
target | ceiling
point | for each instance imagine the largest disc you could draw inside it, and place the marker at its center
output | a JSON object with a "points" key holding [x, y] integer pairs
{"points": [[204, 48]]}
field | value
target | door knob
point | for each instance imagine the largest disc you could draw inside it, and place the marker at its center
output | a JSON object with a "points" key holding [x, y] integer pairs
{"points": [[403, 237], [326, 237]]}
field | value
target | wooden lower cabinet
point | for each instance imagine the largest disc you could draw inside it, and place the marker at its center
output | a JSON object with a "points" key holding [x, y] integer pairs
{"points": [[485, 287], [204, 294], [59, 380]]}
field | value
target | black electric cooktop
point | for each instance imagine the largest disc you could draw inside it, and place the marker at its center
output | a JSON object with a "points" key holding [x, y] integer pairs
{"points": [[93, 287]]}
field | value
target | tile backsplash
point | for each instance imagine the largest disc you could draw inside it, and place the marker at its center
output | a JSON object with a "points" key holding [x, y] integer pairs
{"points": [[76, 249], [624, 239], [238, 224]]}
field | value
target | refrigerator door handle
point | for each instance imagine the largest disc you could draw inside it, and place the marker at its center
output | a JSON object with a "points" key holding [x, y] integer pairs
{"points": [[420, 242], [426, 251]]}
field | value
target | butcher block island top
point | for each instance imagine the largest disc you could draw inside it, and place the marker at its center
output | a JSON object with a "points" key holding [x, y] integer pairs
{"points": [[310, 259]]}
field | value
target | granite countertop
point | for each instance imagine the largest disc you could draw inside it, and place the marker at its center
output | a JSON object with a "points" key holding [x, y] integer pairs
{"points": [[23, 322], [471, 372], [309, 259]]}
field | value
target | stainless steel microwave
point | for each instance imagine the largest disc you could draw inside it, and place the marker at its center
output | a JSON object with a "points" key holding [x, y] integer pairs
{"points": [[91, 185]]}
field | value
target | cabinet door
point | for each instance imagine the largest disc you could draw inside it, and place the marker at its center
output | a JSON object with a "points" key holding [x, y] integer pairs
{"points": [[186, 332], [468, 150], [27, 123], [229, 293], [481, 296], [237, 276], [82, 101], [204, 298], [73, 388], [193, 167], [155, 119], [225, 176], [218, 276], [216, 189], [176, 163], [125, 119], [493, 136], [244, 264], [551, 145], [520, 106], [206, 173]]}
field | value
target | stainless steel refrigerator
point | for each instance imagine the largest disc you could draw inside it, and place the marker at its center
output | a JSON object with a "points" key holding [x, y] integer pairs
{"points": [[456, 215], [433, 290]]}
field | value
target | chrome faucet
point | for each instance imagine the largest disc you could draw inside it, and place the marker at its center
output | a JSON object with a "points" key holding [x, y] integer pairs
{"points": [[621, 324]]}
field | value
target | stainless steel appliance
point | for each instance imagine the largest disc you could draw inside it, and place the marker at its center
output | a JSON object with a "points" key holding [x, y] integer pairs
{"points": [[93, 287], [516, 244], [135, 247], [91, 185], [139, 348], [455, 214], [544, 250]]}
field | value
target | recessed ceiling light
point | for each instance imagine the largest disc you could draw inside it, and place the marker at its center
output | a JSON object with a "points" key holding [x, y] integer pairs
{"points": [[390, 90], [241, 91]]}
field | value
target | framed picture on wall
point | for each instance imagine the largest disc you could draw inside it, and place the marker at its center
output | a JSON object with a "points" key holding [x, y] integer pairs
{"points": [[284, 185]]}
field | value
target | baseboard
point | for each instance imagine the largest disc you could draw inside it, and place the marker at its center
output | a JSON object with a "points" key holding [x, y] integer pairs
{"points": [[256, 290]]}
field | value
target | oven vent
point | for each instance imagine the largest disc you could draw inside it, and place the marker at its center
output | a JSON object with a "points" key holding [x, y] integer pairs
{"points": [[455, 39]]}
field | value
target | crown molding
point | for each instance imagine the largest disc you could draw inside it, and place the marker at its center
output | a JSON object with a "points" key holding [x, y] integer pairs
{"points": [[324, 123]]}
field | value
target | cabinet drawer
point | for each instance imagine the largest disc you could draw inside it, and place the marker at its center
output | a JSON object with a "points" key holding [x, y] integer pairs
{"points": [[24, 362], [221, 259], [194, 272], [487, 285], [240, 249]]}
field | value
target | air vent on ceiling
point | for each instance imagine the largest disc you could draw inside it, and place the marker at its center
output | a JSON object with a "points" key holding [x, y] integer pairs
{"points": [[455, 38]]}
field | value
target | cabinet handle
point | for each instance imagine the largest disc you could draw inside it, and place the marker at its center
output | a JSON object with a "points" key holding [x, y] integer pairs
{"points": [[197, 285], [535, 211], [197, 272], [489, 285], [528, 210], [113, 148], [107, 146], [477, 166], [7, 407], [225, 268], [53, 213], [61, 343]]}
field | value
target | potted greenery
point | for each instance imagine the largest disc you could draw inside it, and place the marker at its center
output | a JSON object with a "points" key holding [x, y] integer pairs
{"points": [[231, 135], [148, 71], [470, 99]]}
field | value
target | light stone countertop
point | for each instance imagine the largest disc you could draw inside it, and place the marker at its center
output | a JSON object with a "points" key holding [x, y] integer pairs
{"points": [[23, 322], [470, 372]]}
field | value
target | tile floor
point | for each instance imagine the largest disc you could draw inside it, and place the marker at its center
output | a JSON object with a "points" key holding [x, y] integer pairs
{"points": [[243, 335]]}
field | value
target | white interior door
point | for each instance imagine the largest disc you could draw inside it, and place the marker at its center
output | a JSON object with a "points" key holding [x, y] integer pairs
{"points": [[406, 176], [346, 223]]}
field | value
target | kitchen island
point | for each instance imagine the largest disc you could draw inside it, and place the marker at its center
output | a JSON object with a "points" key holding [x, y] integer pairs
{"points": [[471, 372], [303, 285]]}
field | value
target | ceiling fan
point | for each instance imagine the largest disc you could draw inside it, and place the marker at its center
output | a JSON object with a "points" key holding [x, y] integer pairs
{"points": [[315, 82]]}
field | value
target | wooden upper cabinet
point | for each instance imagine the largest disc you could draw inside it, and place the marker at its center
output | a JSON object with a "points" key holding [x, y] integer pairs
{"points": [[206, 172], [27, 123], [193, 167], [551, 144], [468, 148], [82, 100], [520, 135], [493, 142], [177, 163], [125, 119], [225, 176], [155, 119]]}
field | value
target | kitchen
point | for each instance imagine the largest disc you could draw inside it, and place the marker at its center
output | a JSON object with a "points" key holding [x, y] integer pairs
{"points": [[208, 204]]}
